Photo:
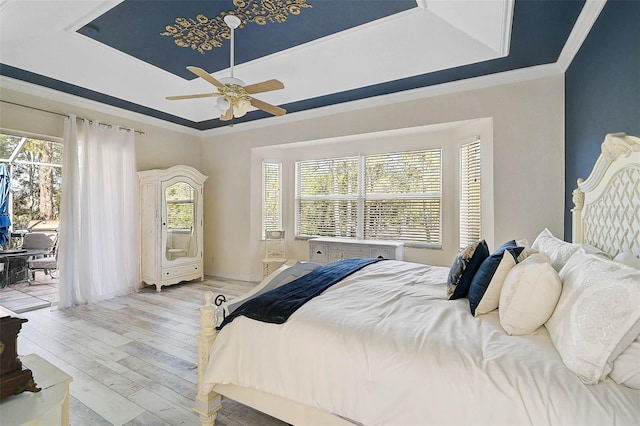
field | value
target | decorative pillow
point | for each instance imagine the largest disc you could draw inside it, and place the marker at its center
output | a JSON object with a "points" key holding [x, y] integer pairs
{"points": [[557, 250], [490, 299], [628, 259], [528, 251], [626, 367], [529, 295], [464, 268], [486, 276], [597, 316]]}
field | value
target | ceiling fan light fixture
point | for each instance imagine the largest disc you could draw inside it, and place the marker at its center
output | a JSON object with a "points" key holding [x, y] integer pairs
{"points": [[223, 103], [241, 107], [234, 98]]}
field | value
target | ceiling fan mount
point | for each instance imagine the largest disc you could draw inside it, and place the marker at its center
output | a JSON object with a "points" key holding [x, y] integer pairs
{"points": [[232, 21], [234, 97]]}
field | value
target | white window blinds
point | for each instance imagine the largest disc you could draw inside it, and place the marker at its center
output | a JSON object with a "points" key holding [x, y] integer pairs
{"points": [[271, 197], [403, 193], [327, 197], [393, 196], [470, 186]]}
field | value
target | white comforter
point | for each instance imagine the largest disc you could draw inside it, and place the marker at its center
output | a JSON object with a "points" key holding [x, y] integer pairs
{"points": [[384, 347]]}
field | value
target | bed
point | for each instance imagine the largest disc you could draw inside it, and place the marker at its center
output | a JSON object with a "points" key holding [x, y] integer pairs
{"points": [[400, 343]]}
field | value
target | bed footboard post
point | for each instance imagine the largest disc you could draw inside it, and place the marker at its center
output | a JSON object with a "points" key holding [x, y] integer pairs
{"points": [[207, 403]]}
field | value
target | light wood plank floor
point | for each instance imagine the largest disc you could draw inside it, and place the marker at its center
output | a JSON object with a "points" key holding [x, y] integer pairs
{"points": [[133, 358], [40, 293]]}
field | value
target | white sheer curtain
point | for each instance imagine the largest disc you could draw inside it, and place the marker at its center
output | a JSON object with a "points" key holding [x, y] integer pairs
{"points": [[99, 249]]}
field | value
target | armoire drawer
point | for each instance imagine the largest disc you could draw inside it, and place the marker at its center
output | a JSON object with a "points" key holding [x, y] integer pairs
{"points": [[179, 271]]}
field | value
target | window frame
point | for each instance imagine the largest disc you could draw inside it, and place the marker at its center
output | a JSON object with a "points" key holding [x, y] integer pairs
{"points": [[361, 197]]}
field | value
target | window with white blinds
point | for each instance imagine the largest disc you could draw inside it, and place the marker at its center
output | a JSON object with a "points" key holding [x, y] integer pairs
{"points": [[271, 197], [392, 196], [327, 197], [470, 199]]}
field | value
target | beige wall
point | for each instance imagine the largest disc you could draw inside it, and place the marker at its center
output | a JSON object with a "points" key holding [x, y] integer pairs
{"points": [[524, 140], [526, 145]]}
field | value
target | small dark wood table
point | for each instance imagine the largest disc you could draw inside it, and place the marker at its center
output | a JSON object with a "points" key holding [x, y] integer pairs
{"points": [[12, 259]]}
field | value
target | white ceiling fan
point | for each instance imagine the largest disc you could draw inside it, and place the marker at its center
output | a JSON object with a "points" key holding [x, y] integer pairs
{"points": [[234, 98]]}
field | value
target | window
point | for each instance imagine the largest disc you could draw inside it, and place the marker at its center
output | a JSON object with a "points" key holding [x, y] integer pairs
{"points": [[392, 196], [271, 197], [35, 166], [327, 197], [470, 203]]}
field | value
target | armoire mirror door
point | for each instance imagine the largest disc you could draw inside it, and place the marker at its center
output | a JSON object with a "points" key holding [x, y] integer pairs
{"points": [[181, 206]]}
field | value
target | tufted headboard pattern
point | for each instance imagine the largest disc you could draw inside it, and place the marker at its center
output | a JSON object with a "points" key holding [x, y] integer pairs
{"points": [[607, 203]]}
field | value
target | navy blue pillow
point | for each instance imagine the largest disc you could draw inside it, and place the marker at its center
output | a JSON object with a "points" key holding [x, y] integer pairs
{"points": [[464, 268], [487, 269]]}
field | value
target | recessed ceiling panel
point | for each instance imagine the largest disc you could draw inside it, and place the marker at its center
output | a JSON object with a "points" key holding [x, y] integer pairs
{"points": [[136, 27]]}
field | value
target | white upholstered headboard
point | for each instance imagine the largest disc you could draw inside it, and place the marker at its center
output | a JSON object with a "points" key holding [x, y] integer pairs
{"points": [[607, 203]]}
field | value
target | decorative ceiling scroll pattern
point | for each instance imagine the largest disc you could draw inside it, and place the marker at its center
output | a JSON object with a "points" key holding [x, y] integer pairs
{"points": [[203, 33]]}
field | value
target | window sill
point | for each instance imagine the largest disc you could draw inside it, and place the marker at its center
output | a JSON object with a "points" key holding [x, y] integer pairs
{"points": [[410, 244]]}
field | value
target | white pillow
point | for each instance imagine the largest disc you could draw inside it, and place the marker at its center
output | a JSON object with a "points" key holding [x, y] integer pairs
{"points": [[529, 295], [491, 297], [597, 316], [628, 259], [594, 250], [528, 251], [626, 367], [557, 250]]}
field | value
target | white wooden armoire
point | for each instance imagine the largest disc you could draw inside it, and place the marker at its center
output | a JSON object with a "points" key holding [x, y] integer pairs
{"points": [[171, 223]]}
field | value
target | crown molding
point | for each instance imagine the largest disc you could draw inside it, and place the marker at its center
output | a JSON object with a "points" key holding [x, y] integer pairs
{"points": [[507, 19], [581, 29]]}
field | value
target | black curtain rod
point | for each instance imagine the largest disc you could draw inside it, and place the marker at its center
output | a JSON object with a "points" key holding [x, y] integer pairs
{"points": [[68, 116]]}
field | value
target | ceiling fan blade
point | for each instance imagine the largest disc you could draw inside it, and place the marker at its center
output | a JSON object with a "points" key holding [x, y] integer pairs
{"points": [[201, 95], [265, 86], [228, 115], [271, 109], [205, 75]]}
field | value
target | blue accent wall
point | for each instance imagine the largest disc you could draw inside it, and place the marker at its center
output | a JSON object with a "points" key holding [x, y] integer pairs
{"points": [[602, 91]]}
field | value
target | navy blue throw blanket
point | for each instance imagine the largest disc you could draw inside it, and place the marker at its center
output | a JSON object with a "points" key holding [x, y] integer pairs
{"points": [[277, 305]]}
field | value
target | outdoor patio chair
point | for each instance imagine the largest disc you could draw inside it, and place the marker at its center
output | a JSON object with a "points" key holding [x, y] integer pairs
{"points": [[47, 264], [39, 241], [48, 260]]}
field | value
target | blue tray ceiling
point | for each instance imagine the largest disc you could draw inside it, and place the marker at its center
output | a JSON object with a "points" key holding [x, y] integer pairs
{"points": [[539, 32]]}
